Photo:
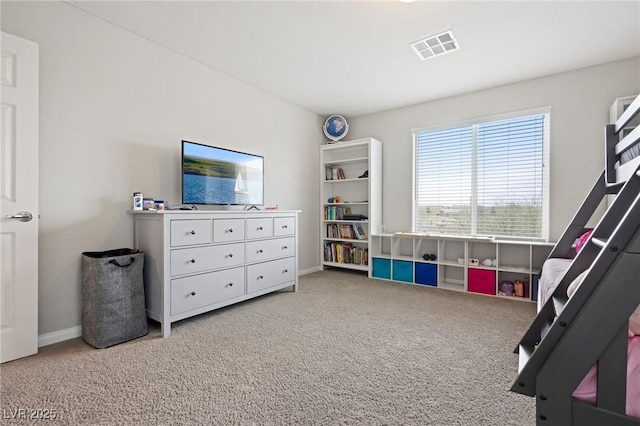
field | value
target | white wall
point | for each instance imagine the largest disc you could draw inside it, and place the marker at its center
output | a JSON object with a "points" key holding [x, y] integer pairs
{"points": [[579, 101], [113, 110]]}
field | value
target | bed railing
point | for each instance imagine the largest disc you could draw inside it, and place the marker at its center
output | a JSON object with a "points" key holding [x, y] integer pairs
{"points": [[569, 336], [617, 142]]}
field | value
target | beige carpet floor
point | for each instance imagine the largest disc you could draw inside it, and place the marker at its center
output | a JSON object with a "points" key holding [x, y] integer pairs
{"points": [[344, 350]]}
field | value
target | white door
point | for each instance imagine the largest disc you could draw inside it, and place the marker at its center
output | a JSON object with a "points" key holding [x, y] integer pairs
{"points": [[18, 198]]}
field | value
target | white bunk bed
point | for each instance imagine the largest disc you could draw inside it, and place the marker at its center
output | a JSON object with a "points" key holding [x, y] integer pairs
{"points": [[580, 357]]}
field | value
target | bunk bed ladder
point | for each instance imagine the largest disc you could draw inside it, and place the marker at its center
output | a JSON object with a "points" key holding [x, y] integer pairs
{"points": [[569, 336], [556, 343], [592, 327], [541, 324]]}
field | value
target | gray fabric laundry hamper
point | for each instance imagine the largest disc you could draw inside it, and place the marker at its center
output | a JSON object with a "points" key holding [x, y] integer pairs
{"points": [[113, 305]]}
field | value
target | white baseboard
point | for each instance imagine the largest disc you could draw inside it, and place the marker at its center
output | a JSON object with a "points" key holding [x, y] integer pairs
{"points": [[309, 270], [73, 332], [59, 336]]}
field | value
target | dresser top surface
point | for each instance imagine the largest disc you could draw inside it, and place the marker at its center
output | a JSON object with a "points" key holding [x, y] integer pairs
{"points": [[216, 212]]}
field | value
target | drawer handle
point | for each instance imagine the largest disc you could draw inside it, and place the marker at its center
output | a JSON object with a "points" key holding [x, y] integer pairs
{"points": [[259, 251], [230, 284], [284, 226], [284, 247], [285, 271], [259, 228], [193, 293], [192, 261], [260, 277], [230, 254], [230, 230], [193, 232]]}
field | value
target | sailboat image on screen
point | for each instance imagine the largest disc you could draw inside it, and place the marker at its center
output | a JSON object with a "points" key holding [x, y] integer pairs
{"points": [[219, 176], [241, 187]]}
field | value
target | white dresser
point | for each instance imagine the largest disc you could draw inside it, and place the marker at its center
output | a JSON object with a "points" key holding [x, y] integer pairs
{"points": [[198, 261]]}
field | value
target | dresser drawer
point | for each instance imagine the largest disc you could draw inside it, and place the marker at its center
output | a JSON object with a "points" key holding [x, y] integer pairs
{"points": [[200, 259], [226, 230], [258, 251], [259, 227], [269, 274], [283, 226], [206, 289], [190, 232]]}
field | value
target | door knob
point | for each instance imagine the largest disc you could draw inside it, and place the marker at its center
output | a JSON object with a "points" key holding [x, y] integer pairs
{"points": [[22, 216]]}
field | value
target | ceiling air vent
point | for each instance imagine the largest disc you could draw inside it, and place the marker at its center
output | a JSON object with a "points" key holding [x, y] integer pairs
{"points": [[435, 45]]}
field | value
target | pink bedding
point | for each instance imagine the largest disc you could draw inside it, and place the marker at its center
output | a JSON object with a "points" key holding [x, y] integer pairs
{"points": [[586, 391], [552, 273]]}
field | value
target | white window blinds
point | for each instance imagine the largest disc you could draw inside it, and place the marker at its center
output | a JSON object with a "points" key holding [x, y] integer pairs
{"points": [[487, 178]]}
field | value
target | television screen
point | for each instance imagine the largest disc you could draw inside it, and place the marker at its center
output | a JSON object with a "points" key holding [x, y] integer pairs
{"points": [[212, 175]]}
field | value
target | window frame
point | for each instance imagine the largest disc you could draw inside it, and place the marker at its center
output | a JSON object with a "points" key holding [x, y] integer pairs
{"points": [[546, 143]]}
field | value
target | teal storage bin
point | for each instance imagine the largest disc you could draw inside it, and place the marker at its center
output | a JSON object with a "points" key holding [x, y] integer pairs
{"points": [[381, 268], [403, 271]]}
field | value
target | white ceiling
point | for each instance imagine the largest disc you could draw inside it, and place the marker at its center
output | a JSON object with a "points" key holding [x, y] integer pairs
{"points": [[353, 57]]}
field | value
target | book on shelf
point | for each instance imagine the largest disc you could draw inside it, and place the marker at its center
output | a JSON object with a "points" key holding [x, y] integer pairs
{"points": [[342, 231], [339, 252], [358, 231], [336, 212], [354, 231], [333, 173]]}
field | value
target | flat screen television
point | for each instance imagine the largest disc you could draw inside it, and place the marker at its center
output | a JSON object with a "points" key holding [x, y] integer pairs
{"points": [[219, 176]]}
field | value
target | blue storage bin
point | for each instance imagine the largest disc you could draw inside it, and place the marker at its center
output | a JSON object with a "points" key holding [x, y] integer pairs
{"points": [[403, 271], [381, 268], [427, 274]]}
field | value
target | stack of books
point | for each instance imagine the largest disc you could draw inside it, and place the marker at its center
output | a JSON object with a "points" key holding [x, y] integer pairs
{"points": [[345, 253], [334, 173], [336, 212], [353, 231]]}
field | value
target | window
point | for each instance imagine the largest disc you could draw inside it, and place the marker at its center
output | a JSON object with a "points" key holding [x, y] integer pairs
{"points": [[487, 178]]}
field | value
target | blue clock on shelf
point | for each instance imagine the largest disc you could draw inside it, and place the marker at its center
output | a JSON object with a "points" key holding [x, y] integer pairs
{"points": [[335, 127]]}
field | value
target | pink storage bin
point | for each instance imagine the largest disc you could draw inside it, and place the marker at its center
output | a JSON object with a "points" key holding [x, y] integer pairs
{"points": [[482, 281]]}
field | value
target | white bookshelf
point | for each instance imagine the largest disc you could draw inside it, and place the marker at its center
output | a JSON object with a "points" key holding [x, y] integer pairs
{"points": [[349, 192]]}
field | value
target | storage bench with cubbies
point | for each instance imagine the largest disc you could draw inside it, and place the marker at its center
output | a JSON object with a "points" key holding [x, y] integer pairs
{"points": [[475, 264]]}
